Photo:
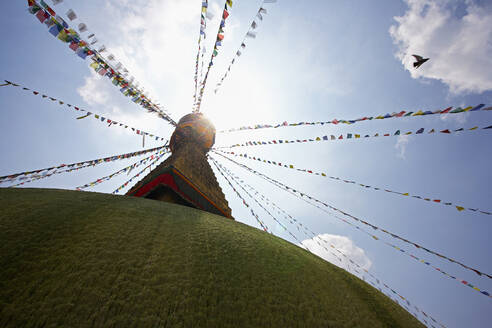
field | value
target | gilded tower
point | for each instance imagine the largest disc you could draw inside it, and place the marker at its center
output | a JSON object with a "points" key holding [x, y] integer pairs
{"points": [[186, 177]]}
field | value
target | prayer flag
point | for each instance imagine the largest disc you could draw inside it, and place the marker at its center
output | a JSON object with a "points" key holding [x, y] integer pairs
{"points": [[82, 27], [42, 15], [55, 29], [477, 107], [71, 15]]}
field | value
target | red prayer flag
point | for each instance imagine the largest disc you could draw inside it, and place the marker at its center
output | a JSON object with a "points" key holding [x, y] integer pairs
{"points": [[220, 37], [446, 110], [51, 11], [445, 131], [74, 46], [225, 15], [42, 15]]}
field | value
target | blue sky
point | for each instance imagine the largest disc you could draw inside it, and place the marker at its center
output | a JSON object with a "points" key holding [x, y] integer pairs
{"points": [[337, 59]]}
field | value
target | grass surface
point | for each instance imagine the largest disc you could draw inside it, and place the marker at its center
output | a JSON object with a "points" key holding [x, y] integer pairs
{"points": [[79, 259]]}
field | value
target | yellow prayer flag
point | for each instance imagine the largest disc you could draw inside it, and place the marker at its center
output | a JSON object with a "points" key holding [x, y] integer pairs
{"points": [[94, 65], [291, 166], [406, 194], [467, 108], [420, 112], [375, 238], [318, 138], [474, 128], [357, 136], [323, 174], [460, 208]]}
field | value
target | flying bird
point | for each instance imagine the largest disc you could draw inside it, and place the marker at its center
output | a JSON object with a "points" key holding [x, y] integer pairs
{"points": [[420, 61]]}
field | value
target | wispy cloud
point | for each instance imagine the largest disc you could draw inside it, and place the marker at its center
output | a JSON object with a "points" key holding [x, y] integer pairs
{"points": [[401, 146], [94, 92], [458, 40], [343, 244]]}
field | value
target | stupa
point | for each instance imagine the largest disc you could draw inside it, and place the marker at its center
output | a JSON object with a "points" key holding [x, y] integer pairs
{"points": [[186, 178]]}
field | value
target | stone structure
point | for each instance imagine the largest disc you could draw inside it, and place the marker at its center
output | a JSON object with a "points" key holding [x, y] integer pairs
{"points": [[186, 177]]}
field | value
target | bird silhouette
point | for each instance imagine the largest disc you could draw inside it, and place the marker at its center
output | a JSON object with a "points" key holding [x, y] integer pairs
{"points": [[420, 61]]}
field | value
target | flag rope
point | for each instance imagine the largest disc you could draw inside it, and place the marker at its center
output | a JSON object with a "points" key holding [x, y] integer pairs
{"points": [[220, 167], [203, 26], [312, 235], [61, 30], [12, 177], [218, 43], [459, 208], [395, 236], [96, 116], [350, 136], [335, 121], [129, 168], [257, 218], [138, 174], [251, 34], [36, 178]]}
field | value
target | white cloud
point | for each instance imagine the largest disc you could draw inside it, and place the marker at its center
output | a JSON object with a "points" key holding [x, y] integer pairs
{"points": [[401, 145], [343, 244], [93, 91], [456, 38]]}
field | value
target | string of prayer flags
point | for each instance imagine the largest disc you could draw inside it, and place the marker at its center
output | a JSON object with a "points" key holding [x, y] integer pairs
{"points": [[61, 30], [220, 167], [137, 175], [36, 177], [98, 117], [125, 169], [301, 195], [406, 252], [251, 33], [215, 52], [449, 110], [257, 218], [459, 208], [101, 66], [350, 136], [203, 27], [312, 235], [41, 172], [395, 236]]}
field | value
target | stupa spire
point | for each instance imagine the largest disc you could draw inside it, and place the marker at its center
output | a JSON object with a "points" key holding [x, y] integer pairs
{"points": [[186, 177]]}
